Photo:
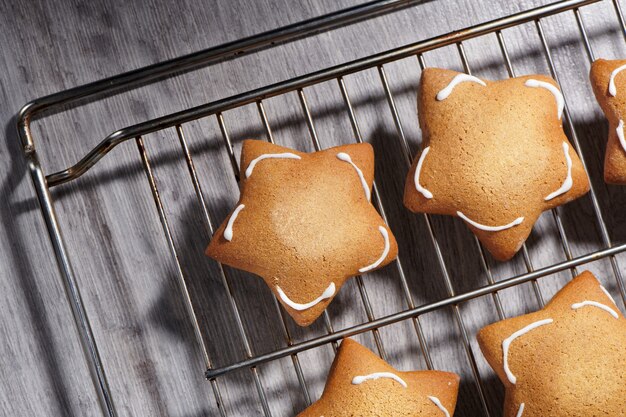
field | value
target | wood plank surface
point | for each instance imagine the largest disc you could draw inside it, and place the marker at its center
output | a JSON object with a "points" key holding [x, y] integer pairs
{"points": [[115, 240]]}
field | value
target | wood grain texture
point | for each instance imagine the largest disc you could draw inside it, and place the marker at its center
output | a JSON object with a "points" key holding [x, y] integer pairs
{"points": [[115, 239]]}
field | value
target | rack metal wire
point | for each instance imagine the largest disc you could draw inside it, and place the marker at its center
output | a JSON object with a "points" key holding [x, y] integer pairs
{"points": [[43, 183]]}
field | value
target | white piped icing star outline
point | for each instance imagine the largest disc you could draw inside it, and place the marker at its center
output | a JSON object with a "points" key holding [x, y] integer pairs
{"points": [[304, 223], [529, 329], [357, 380], [467, 123], [330, 291], [362, 384], [507, 342]]}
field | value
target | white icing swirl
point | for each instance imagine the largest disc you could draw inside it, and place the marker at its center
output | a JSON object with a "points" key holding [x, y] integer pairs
{"points": [[418, 170], [567, 184], [328, 292], [507, 343], [385, 234], [612, 87], [620, 134], [461, 78], [346, 158], [228, 230], [440, 406], [560, 101], [520, 412], [376, 375], [514, 223], [286, 155], [608, 294], [604, 307]]}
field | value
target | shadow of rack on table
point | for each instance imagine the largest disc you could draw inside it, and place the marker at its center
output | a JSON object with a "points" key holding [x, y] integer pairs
{"points": [[80, 95]]}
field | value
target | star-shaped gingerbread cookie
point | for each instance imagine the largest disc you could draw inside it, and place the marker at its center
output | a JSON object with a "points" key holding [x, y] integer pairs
{"points": [[361, 384], [566, 360], [304, 223], [494, 154], [609, 86]]}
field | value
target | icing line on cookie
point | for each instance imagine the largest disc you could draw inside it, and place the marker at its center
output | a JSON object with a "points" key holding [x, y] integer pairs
{"points": [[461, 78], [376, 375], [604, 307], [346, 158], [620, 134], [418, 170], [507, 343], [567, 184], [560, 101], [612, 87], [520, 412], [228, 230], [285, 155], [514, 223], [440, 406], [328, 292], [385, 234], [608, 294]]}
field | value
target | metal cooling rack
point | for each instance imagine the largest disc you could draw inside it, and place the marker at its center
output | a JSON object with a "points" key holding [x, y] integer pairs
{"points": [[44, 182]]}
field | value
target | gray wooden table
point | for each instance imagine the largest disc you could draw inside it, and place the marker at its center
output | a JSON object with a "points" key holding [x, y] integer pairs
{"points": [[113, 233]]}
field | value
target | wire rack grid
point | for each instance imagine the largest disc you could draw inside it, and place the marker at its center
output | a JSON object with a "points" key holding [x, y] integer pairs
{"points": [[43, 183]]}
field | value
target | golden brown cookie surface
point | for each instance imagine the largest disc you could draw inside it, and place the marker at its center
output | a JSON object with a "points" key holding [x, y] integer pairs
{"points": [[608, 80], [361, 384], [494, 153], [304, 223], [566, 360]]}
